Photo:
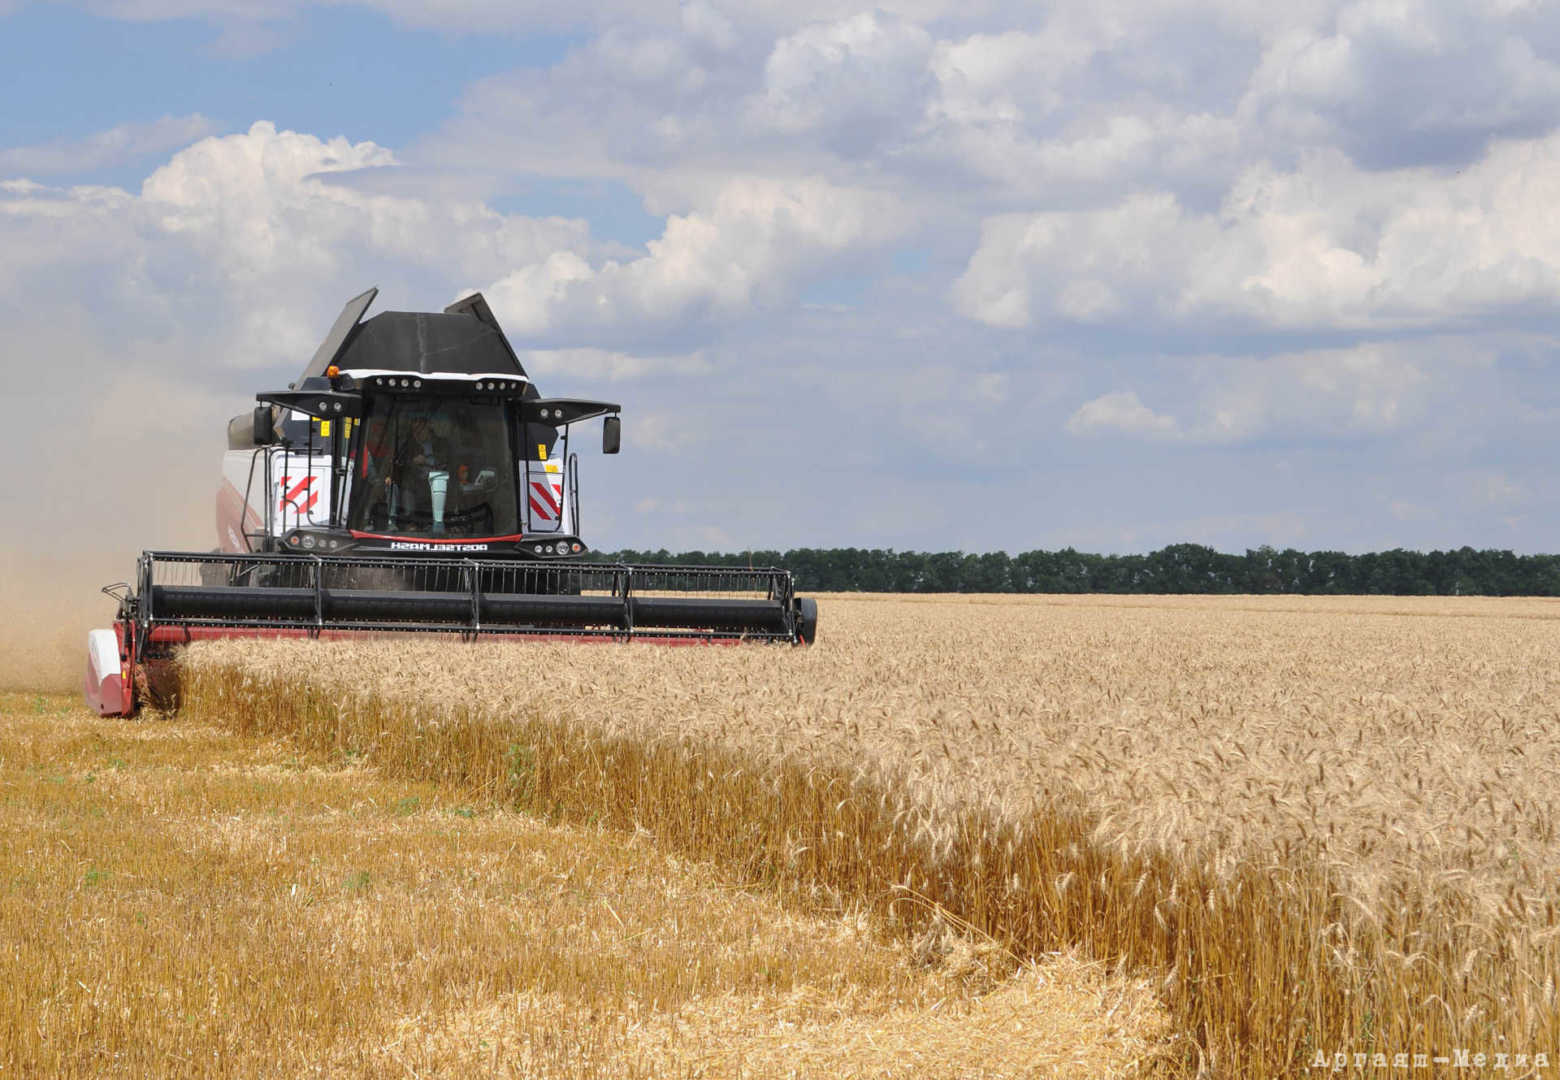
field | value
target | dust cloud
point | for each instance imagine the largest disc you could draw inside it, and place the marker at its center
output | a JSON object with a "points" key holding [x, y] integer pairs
{"points": [[51, 600], [50, 604], [140, 471]]}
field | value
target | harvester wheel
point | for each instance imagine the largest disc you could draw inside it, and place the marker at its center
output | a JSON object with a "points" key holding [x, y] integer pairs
{"points": [[806, 619]]}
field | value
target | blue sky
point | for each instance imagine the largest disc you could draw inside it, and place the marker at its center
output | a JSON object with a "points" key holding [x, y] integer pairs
{"points": [[920, 275], [337, 70]]}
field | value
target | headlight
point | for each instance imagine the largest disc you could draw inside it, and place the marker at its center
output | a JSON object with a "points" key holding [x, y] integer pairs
{"points": [[308, 541], [562, 548]]}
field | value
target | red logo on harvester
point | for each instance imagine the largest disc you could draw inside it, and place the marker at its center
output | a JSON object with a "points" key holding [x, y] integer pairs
{"points": [[301, 496], [547, 499]]}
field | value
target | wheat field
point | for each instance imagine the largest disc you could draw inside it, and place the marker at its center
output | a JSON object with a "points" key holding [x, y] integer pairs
{"points": [[1326, 827]]}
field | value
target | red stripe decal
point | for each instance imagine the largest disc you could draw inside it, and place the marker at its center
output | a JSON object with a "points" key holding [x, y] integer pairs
{"points": [[290, 495], [290, 498], [546, 491]]}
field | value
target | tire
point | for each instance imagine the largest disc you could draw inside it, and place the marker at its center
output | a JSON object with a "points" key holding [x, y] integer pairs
{"points": [[806, 620]]}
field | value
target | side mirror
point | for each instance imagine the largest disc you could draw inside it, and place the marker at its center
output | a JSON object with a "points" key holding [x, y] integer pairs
{"points": [[265, 426], [611, 434]]}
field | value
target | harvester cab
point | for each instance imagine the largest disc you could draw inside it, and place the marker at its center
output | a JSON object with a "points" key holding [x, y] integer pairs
{"points": [[372, 460], [414, 479]]}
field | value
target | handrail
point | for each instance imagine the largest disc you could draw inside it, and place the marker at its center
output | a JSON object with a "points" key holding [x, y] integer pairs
{"points": [[572, 481]]}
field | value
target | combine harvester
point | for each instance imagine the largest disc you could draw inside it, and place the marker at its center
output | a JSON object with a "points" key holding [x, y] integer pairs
{"points": [[414, 481]]}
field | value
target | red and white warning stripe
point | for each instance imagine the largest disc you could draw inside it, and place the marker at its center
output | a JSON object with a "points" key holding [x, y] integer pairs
{"points": [[547, 498], [300, 497]]}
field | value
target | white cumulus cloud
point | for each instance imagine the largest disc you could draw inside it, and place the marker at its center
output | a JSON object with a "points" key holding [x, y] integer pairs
{"points": [[745, 249], [1120, 412], [855, 83], [1325, 246], [243, 239]]}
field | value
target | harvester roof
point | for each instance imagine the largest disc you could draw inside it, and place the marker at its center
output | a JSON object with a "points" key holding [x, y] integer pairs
{"points": [[465, 338], [427, 343]]}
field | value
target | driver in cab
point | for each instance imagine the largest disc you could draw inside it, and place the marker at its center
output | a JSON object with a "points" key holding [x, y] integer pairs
{"points": [[421, 451], [421, 465]]}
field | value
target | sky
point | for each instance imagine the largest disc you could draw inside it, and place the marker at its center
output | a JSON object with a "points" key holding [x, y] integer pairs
{"points": [[927, 275]]}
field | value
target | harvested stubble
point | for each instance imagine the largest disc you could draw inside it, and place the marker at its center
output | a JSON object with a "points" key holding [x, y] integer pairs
{"points": [[1330, 824], [175, 901]]}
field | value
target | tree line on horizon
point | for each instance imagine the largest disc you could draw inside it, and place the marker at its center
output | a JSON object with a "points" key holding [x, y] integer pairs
{"points": [[1179, 568]]}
